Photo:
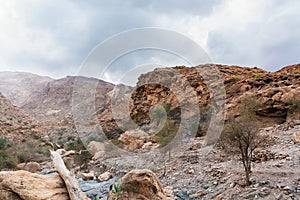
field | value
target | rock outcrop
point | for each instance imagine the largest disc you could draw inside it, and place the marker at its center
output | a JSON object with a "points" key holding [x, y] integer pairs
{"points": [[23, 185], [139, 184], [278, 91]]}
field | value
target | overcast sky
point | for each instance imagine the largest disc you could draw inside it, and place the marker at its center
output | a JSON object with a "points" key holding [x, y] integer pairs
{"points": [[53, 37]]}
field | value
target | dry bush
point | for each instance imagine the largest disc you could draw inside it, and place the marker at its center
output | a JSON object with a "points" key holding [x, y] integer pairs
{"points": [[241, 136]]}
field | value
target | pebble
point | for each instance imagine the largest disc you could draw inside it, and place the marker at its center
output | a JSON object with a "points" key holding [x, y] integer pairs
{"points": [[279, 196], [191, 171], [264, 182], [232, 184]]}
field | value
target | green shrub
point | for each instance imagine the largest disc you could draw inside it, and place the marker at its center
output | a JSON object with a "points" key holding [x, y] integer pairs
{"points": [[117, 188], [234, 79], [296, 72], [3, 143], [76, 145], [7, 161], [257, 75]]}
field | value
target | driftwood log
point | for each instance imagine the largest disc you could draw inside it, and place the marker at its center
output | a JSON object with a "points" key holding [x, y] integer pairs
{"points": [[71, 183]]}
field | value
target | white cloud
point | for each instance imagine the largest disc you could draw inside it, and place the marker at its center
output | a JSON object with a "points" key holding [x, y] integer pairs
{"points": [[53, 37]]}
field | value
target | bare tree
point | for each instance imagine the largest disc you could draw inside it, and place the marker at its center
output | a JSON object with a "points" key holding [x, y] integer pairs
{"points": [[242, 134]]}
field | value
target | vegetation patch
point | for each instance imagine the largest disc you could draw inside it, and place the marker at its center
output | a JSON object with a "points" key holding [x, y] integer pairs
{"points": [[296, 72], [257, 76]]}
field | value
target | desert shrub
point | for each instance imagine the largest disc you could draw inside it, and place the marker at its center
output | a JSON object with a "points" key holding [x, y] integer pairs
{"points": [[167, 133], [84, 156], [7, 161], [293, 105], [31, 151], [257, 75], [3, 143], [234, 79], [76, 145], [296, 72]]}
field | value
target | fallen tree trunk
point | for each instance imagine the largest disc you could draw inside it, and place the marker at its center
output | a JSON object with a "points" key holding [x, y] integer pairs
{"points": [[71, 183]]}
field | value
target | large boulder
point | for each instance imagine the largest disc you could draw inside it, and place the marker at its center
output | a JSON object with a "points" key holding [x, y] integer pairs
{"points": [[139, 184], [23, 185]]}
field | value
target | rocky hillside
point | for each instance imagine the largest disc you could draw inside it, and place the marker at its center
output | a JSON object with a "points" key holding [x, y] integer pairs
{"points": [[15, 124], [278, 92], [21, 87]]}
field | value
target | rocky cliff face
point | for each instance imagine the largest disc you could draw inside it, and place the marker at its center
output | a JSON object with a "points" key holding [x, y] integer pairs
{"points": [[278, 92]]}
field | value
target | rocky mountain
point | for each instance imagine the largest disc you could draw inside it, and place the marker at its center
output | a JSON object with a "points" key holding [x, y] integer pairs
{"points": [[21, 87], [55, 99]]}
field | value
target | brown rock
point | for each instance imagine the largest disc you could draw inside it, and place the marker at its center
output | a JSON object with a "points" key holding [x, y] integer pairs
{"points": [[30, 167], [139, 184], [29, 186], [133, 139], [87, 176], [297, 137], [105, 176], [245, 88], [219, 197]]}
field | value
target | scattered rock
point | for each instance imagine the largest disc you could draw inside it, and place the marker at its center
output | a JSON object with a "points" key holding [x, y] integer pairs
{"points": [[169, 192], [105, 176], [87, 176], [264, 192]]}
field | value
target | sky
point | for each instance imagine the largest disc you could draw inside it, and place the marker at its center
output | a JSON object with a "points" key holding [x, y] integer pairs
{"points": [[55, 37]]}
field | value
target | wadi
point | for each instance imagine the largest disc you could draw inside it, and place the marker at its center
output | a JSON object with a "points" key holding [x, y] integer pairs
{"points": [[204, 132]]}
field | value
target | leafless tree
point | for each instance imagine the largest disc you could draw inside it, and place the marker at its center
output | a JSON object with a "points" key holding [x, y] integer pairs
{"points": [[242, 134]]}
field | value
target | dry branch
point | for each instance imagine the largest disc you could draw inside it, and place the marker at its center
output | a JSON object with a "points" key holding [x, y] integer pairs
{"points": [[72, 185]]}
